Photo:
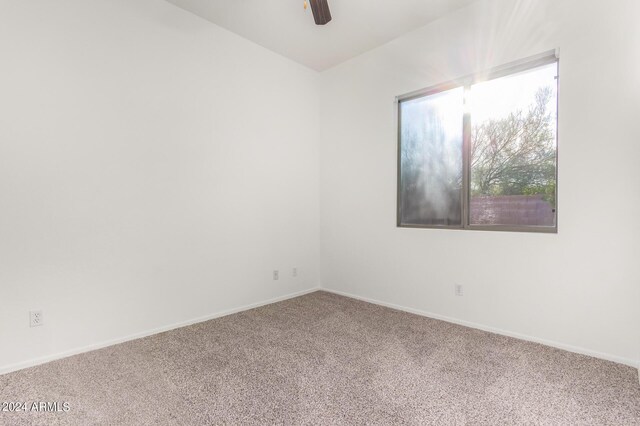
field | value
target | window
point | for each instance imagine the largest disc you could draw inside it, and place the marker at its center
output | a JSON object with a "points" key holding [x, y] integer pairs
{"points": [[482, 153]]}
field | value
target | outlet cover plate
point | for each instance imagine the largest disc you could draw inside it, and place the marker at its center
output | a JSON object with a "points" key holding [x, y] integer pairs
{"points": [[35, 318]]}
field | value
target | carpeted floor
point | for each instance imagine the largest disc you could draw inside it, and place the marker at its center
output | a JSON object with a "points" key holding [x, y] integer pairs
{"points": [[325, 359]]}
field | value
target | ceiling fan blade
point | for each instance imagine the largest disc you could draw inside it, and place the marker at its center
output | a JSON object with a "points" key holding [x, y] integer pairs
{"points": [[320, 10]]}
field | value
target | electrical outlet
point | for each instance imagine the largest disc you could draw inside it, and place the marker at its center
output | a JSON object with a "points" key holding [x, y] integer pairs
{"points": [[35, 318], [294, 272], [276, 275], [459, 289]]}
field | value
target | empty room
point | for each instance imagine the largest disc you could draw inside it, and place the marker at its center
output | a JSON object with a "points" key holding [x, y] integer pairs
{"points": [[319, 212]]}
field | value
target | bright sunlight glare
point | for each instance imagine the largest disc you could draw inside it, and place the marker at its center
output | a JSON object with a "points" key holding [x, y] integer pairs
{"points": [[495, 99]]}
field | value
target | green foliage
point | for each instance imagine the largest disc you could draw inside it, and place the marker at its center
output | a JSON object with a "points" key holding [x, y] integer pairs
{"points": [[516, 155]]}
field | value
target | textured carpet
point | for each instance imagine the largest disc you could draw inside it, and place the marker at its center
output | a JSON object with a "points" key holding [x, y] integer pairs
{"points": [[326, 359]]}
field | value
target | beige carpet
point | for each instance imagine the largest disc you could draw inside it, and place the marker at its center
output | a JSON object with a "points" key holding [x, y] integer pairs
{"points": [[326, 359]]}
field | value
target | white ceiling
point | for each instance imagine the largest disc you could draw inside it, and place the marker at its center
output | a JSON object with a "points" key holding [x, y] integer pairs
{"points": [[286, 28]]}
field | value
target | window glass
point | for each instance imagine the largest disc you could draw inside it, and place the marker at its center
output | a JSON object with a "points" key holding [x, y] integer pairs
{"points": [[481, 152], [431, 159], [513, 149]]}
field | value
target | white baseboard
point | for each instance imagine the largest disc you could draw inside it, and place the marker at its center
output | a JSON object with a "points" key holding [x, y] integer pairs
{"points": [[42, 360], [558, 345]]}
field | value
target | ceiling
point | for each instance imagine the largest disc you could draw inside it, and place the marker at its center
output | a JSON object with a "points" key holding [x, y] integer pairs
{"points": [[283, 26]]}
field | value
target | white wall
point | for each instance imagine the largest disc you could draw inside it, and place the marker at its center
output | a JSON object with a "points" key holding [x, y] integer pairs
{"points": [[577, 289], [154, 169]]}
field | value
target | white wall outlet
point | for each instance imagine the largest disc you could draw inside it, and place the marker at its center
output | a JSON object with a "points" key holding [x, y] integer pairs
{"points": [[35, 318], [294, 272], [459, 289], [276, 275]]}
